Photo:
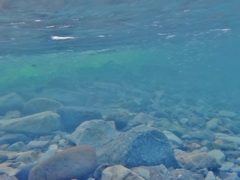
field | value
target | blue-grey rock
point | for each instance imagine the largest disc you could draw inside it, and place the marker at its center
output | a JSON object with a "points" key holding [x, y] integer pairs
{"points": [[9, 102], [226, 167], [218, 155], [95, 132], [120, 118], [228, 138], [203, 135], [18, 146], [12, 138], [38, 105], [210, 176], [37, 124], [140, 146], [73, 116], [37, 144], [196, 161], [182, 174], [175, 141], [3, 157]]}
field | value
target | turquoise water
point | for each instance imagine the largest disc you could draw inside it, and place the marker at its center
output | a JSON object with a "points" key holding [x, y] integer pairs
{"points": [[112, 54], [187, 44]]}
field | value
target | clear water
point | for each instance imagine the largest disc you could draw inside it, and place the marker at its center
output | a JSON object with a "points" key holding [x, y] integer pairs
{"points": [[188, 48], [190, 44]]}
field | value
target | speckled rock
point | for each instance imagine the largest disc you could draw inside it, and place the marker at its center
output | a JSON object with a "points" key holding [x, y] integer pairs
{"points": [[39, 124], [38, 105], [119, 172], [73, 116], [140, 146], [9, 102], [75, 162]]}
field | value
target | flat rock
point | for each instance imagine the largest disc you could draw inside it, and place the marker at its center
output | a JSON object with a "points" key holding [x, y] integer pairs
{"points": [[196, 161], [73, 116], [225, 113], [182, 174], [119, 172], [38, 124], [37, 144], [95, 132], [228, 139], [203, 135], [140, 146], [76, 162], [9, 102], [175, 141], [38, 105]]}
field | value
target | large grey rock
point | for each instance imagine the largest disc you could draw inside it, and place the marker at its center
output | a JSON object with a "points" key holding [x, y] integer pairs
{"points": [[119, 172], [73, 163], [10, 102], [38, 105], [95, 132], [73, 116], [140, 146], [38, 124], [12, 138]]}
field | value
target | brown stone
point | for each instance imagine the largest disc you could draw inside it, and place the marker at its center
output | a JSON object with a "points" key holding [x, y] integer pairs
{"points": [[76, 162]]}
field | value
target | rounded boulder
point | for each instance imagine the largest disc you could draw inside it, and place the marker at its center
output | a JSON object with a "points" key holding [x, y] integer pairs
{"points": [[76, 162]]}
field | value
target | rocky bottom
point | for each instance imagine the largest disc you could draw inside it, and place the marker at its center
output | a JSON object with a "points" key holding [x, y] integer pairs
{"points": [[167, 138]]}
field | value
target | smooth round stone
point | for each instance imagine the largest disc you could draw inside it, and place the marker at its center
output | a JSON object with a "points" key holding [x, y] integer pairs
{"points": [[73, 163]]}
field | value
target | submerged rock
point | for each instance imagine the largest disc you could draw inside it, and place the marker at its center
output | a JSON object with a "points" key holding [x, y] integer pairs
{"points": [[75, 162], [9, 102], [196, 161], [140, 146], [73, 116], [38, 124], [95, 132], [12, 138], [38, 105], [119, 172]]}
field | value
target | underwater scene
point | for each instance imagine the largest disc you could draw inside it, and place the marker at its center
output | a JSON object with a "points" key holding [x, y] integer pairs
{"points": [[119, 90]]}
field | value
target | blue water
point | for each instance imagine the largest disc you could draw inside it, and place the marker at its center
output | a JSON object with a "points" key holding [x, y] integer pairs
{"points": [[177, 44]]}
